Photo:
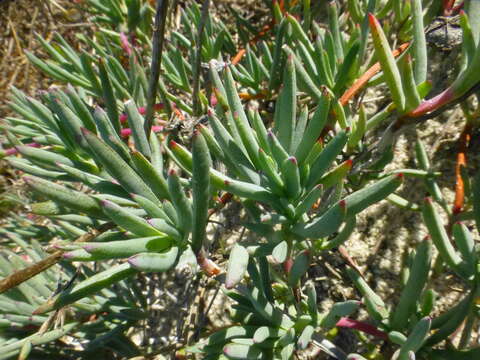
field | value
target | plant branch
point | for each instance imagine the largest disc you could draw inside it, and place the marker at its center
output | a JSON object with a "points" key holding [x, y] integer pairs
{"points": [[407, 120], [157, 44], [463, 143], [198, 58], [363, 80], [23, 275]]}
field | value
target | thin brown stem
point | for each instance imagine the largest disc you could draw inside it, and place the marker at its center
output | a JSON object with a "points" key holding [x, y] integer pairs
{"points": [[23, 275], [198, 59], [157, 45]]}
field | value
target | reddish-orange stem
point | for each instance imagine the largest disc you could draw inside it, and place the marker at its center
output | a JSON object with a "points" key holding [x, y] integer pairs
{"points": [[236, 59], [463, 142], [371, 72], [246, 96], [208, 266]]}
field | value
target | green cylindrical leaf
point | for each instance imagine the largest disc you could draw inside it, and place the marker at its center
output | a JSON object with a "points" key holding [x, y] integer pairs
{"points": [[107, 133], [129, 221], [375, 305], [476, 198], [280, 252], [336, 175], [417, 279], [299, 268], [154, 262], [232, 332], [267, 165], [166, 226], [154, 210], [416, 338], [343, 235], [82, 110], [38, 339], [45, 157], [153, 177], [278, 56], [343, 74], [88, 287], [240, 118], [278, 151], [117, 167], [236, 159], [338, 310], [305, 337], [335, 29], [309, 200], [70, 121], [180, 201], [315, 126], [291, 177], [466, 246], [439, 235], [23, 165], [242, 352], [200, 190], [286, 107], [109, 96], [397, 337], [237, 266], [361, 199], [126, 248], [135, 121], [304, 79], [326, 158], [181, 155], [70, 198], [323, 225], [419, 47], [412, 97], [388, 64]]}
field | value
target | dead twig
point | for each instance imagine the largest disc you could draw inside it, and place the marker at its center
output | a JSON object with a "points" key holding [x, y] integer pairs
{"points": [[23, 275], [157, 49], [198, 58]]}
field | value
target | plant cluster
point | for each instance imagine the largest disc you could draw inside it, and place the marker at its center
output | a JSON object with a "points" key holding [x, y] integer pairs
{"points": [[159, 122]]}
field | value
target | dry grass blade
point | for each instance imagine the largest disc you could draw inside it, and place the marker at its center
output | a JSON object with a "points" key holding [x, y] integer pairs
{"points": [[23, 275]]}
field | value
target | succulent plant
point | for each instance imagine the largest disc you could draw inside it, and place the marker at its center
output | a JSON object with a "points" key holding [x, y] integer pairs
{"points": [[99, 321], [131, 194]]}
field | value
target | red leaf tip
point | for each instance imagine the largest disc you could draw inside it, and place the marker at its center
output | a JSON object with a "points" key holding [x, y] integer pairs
{"points": [[372, 19]]}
